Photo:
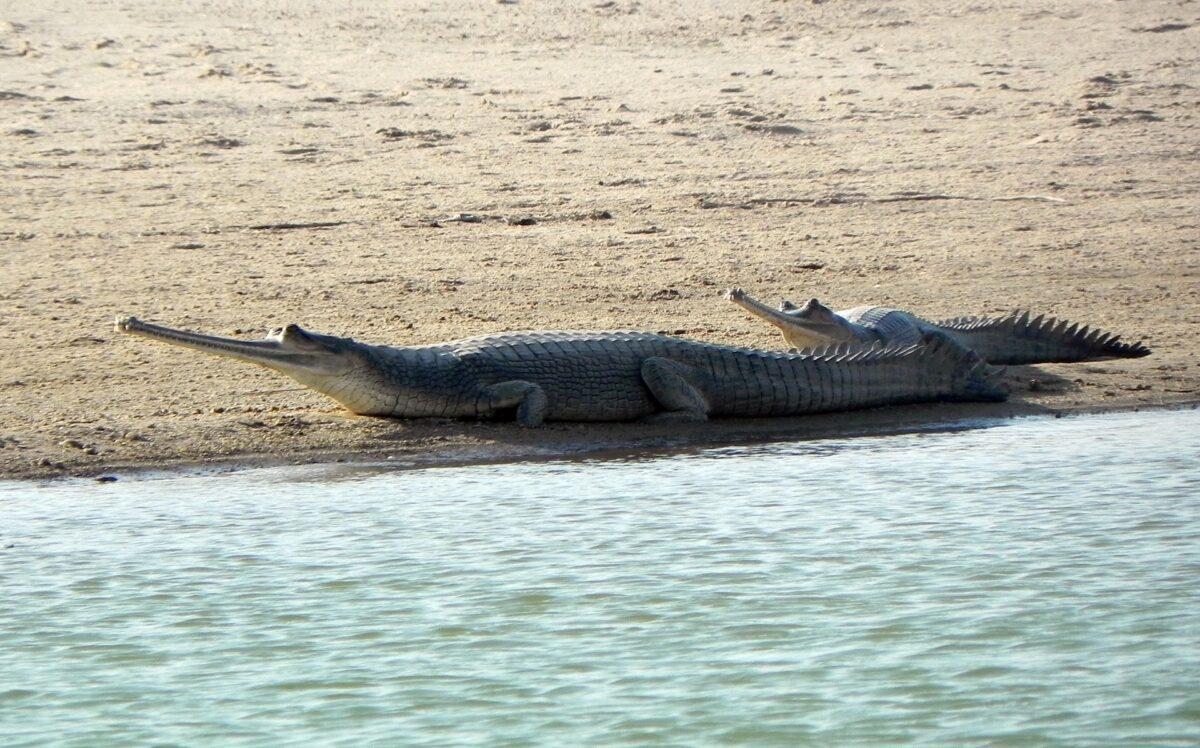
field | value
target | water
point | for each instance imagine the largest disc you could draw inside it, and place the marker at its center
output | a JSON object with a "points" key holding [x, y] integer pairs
{"points": [[1037, 582]]}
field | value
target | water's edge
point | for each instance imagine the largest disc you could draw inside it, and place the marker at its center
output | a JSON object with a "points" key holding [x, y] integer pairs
{"points": [[732, 432]]}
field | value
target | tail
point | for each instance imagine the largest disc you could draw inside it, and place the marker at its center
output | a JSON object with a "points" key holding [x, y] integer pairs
{"points": [[1017, 339]]}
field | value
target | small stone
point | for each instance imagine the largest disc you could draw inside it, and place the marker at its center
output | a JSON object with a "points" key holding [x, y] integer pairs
{"points": [[71, 443], [220, 142], [461, 218], [106, 479]]}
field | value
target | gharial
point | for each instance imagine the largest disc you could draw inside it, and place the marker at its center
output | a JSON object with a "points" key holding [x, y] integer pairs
{"points": [[600, 376], [1011, 339]]}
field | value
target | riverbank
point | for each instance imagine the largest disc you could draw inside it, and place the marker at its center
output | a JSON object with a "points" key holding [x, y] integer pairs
{"points": [[457, 443], [231, 170]]}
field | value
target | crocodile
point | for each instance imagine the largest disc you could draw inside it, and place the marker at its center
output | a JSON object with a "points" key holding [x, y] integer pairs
{"points": [[600, 376], [1015, 338]]}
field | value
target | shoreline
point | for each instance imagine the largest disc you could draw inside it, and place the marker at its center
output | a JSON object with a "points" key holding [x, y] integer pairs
{"points": [[885, 421]]}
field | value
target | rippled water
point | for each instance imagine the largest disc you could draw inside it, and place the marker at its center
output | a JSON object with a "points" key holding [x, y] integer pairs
{"points": [[1034, 582]]}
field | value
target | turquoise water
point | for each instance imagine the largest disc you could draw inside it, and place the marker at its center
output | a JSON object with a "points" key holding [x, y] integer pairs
{"points": [[1037, 582]]}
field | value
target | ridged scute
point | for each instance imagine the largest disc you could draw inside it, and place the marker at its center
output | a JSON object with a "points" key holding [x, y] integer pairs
{"points": [[892, 325], [1018, 339], [937, 351], [835, 353]]}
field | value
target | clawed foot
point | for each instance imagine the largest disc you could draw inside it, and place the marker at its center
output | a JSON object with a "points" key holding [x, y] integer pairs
{"points": [[735, 294]]}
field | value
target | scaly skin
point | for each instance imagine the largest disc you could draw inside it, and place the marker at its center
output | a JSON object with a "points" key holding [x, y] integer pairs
{"points": [[1011, 339], [599, 376]]}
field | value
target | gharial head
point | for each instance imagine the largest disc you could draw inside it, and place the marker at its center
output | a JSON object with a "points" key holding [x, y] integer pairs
{"points": [[810, 326], [310, 358]]}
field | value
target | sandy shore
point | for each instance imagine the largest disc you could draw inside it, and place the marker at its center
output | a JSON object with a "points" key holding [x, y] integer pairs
{"points": [[231, 170]]}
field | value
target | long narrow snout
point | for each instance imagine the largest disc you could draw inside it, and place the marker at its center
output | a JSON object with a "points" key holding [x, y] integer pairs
{"points": [[268, 353], [337, 367], [799, 329], [776, 317]]}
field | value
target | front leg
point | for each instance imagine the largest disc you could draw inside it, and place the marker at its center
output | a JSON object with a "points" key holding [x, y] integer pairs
{"points": [[529, 399]]}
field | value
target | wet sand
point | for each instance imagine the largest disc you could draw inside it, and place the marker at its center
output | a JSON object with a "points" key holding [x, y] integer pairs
{"points": [[231, 170]]}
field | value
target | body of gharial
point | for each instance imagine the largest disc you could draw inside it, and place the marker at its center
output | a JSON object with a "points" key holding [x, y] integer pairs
{"points": [[1015, 338], [600, 376]]}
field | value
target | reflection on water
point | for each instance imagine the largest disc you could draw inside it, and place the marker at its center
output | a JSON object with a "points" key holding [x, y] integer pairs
{"points": [[1028, 583]]}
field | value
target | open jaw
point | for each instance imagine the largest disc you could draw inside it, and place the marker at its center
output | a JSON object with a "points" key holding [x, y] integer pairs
{"points": [[269, 352]]}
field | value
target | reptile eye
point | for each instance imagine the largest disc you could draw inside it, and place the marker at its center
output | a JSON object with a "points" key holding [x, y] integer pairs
{"points": [[296, 336]]}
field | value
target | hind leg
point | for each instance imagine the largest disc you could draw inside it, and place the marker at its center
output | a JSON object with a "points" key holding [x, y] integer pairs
{"points": [[529, 399], [671, 383]]}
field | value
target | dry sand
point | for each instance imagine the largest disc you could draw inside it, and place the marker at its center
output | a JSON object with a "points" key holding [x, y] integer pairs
{"points": [[787, 147]]}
